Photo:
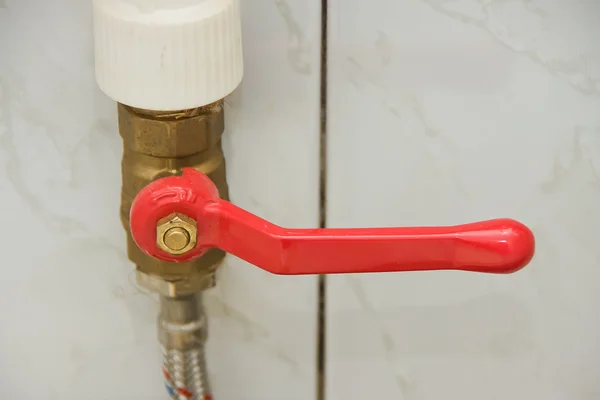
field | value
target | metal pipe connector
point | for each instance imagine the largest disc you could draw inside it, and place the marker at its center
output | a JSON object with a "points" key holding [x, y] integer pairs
{"points": [[159, 144], [181, 322], [182, 332]]}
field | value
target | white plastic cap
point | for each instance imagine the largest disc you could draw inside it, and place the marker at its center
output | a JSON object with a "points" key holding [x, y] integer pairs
{"points": [[168, 55]]}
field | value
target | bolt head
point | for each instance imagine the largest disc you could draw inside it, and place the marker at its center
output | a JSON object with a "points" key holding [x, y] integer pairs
{"points": [[176, 234]]}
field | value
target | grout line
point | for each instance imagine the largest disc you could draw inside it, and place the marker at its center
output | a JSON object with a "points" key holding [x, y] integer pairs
{"points": [[323, 120], [322, 279], [322, 339]]}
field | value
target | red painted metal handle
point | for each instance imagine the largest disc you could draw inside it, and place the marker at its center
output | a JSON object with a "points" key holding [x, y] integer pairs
{"points": [[496, 246]]}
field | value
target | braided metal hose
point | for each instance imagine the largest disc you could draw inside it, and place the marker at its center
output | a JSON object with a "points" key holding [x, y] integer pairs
{"points": [[182, 331]]}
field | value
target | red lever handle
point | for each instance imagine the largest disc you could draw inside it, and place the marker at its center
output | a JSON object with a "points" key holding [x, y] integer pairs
{"points": [[496, 246]]}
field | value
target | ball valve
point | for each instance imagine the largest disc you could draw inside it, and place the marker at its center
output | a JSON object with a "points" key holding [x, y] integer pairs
{"points": [[169, 64], [179, 218]]}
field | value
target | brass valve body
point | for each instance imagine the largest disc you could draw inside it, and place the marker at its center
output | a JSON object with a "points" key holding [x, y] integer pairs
{"points": [[159, 144]]}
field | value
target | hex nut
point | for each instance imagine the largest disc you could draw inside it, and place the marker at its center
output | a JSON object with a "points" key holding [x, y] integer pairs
{"points": [[176, 234], [171, 137], [173, 288]]}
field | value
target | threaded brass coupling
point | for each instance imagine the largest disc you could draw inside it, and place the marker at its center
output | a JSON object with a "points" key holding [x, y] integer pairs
{"points": [[160, 144]]}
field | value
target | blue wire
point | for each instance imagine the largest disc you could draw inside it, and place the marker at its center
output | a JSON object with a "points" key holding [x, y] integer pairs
{"points": [[170, 389]]}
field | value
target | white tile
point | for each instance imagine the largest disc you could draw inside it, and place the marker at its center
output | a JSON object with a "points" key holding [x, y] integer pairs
{"points": [[443, 112], [74, 325]]}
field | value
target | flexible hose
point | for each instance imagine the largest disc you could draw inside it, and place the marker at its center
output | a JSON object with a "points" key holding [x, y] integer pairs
{"points": [[182, 333]]}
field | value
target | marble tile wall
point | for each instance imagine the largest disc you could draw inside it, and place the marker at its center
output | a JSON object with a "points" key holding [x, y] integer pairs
{"points": [[73, 323], [443, 112]]}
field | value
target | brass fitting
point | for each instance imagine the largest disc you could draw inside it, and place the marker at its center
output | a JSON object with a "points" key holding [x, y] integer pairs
{"points": [[173, 287], [176, 233], [159, 144]]}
